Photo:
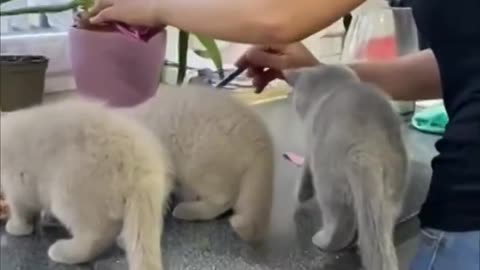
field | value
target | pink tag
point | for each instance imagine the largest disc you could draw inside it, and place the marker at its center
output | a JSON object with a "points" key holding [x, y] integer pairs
{"points": [[294, 158], [137, 33]]}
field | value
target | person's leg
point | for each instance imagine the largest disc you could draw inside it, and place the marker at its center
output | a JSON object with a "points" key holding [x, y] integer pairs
{"points": [[446, 251]]}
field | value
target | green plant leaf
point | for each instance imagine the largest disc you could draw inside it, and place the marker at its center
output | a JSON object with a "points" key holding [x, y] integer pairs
{"points": [[182, 55], [213, 52], [86, 4], [42, 9], [4, 1], [202, 53], [72, 5]]}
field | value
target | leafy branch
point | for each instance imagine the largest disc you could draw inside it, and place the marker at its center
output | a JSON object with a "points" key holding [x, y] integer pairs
{"points": [[84, 4], [211, 51], [4, 1], [183, 39]]}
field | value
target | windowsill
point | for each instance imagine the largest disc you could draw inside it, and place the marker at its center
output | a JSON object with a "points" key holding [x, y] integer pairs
{"points": [[54, 46]]}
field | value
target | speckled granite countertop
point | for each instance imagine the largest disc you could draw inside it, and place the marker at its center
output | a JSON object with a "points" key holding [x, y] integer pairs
{"points": [[212, 245]]}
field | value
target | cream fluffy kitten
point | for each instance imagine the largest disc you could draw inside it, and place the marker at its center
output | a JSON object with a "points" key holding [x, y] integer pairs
{"points": [[222, 153], [94, 170]]}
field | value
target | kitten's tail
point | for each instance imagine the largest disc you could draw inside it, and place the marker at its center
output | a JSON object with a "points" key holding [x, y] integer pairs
{"points": [[374, 213], [143, 224], [252, 209]]}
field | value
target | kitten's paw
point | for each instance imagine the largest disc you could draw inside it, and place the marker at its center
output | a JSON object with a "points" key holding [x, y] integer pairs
{"points": [[18, 228], [67, 252], [121, 242], [324, 241], [184, 212], [59, 252], [246, 230]]}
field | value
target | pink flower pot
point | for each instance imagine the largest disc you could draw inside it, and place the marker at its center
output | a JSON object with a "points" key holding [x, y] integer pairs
{"points": [[115, 68]]}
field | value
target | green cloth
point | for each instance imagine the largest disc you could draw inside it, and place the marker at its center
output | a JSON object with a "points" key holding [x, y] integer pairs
{"points": [[431, 120]]}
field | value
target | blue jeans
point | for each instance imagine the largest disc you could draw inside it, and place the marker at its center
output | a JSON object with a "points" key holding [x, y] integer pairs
{"points": [[440, 250]]}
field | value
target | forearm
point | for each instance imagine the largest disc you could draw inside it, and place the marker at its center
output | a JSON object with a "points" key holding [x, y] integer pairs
{"points": [[412, 77], [254, 21]]}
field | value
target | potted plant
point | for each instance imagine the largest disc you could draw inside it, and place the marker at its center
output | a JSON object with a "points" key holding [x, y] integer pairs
{"points": [[22, 81], [111, 66]]}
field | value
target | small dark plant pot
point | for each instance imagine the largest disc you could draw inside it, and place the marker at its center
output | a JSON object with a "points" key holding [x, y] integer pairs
{"points": [[22, 81]]}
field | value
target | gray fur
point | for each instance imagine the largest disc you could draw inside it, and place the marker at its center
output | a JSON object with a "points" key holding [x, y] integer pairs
{"points": [[356, 161], [96, 171], [222, 152]]}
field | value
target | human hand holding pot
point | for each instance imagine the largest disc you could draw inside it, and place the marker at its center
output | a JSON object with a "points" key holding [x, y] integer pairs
{"points": [[129, 12]]}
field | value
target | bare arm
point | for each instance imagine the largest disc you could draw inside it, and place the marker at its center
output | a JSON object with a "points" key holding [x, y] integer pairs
{"points": [[412, 77], [254, 21]]}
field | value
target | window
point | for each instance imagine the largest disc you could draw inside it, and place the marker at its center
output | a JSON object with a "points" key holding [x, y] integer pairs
{"points": [[44, 34], [34, 23]]}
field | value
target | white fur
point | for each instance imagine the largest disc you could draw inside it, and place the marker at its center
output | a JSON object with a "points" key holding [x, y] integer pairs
{"points": [[222, 152], [94, 170]]}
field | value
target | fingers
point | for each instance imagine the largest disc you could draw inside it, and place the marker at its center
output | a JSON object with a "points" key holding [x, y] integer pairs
{"points": [[99, 5], [105, 15], [270, 56], [243, 60], [264, 64], [261, 80], [254, 71], [104, 11], [266, 59]]}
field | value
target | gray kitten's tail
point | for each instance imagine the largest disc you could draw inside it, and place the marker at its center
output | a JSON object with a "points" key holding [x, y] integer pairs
{"points": [[143, 225], [252, 210], [375, 213]]}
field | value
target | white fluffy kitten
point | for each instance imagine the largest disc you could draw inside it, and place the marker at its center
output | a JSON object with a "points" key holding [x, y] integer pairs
{"points": [[94, 170], [222, 153]]}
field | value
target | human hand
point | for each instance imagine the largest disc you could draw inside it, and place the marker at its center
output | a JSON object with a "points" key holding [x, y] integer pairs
{"points": [[267, 63], [131, 12]]}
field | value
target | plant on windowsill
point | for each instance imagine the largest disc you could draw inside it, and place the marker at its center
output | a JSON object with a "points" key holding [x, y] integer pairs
{"points": [[22, 81], [113, 67]]}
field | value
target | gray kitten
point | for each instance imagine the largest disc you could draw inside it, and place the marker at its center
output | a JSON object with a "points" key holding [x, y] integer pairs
{"points": [[222, 153], [356, 162], [96, 171]]}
